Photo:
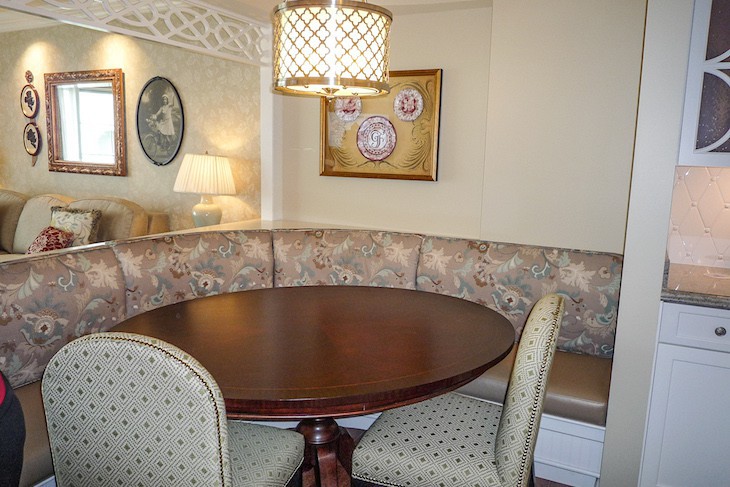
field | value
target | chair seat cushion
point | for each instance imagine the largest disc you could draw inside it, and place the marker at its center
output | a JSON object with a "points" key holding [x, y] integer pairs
{"points": [[445, 441], [263, 455], [577, 388]]}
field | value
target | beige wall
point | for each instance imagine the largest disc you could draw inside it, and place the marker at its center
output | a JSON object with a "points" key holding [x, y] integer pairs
{"points": [[563, 91], [535, 141], [220, 100], [457, 42]]}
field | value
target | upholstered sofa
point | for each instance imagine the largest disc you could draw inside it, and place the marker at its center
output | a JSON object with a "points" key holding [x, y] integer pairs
{"points": [[47, 300], [23, 218]]}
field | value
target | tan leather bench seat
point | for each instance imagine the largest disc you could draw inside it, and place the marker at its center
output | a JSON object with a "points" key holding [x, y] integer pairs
{"points": [[577, 388], [37, 462]]}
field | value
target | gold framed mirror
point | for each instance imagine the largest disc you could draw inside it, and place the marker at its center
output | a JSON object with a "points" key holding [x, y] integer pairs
{"points": [[85, 120]]}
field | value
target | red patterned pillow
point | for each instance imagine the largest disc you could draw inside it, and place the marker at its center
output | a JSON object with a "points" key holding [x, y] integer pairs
{"points": [[51, 239]]}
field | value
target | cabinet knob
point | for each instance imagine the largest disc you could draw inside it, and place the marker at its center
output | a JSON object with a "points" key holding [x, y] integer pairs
{"points": [[720, 331]]}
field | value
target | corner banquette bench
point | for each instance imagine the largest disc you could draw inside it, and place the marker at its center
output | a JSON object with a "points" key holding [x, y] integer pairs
{"points": [[47, 300]]}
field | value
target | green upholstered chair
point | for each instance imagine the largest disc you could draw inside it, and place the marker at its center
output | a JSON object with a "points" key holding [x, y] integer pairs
{"points": [[455, 440], [125, 409]]}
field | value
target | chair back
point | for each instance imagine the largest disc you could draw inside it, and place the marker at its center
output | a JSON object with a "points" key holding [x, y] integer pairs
{"points": [[520, 420], [125, 409]]}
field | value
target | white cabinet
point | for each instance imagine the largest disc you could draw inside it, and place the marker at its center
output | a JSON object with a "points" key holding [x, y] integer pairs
{"points": [[688, 433]]}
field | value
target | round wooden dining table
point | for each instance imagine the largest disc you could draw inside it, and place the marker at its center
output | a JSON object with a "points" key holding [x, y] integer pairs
{"points": [[317, 353]]}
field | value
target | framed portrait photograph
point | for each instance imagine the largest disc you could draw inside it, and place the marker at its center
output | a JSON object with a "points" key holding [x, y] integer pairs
{"points": [[29, 101], [160, 121], [394, 136], [31, 139]]}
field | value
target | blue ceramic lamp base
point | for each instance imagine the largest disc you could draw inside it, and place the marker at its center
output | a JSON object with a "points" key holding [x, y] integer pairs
{"points": [[206, 212]]}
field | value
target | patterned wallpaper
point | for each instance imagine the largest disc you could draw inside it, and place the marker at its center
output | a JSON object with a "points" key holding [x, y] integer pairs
{"points": [[220, 101], [699, 230]]}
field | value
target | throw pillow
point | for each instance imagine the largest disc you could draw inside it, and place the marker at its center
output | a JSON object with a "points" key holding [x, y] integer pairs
{"points": [[83, 223], [51, 238]]}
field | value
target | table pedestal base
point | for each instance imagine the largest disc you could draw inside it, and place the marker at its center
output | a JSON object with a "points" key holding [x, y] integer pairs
{"points": [[327, 454]]}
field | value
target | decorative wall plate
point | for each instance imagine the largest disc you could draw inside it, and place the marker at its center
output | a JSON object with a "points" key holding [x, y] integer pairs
{"points": [[408, 104], [376, 138], [29, 101], [348, 108], [32, 139]]}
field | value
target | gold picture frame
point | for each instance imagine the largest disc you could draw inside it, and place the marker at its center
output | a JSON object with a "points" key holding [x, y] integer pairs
{"points": [[394, 136]]}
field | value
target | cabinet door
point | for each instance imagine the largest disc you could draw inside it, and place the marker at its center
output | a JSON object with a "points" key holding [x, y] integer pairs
{"points": [[688, 435]]}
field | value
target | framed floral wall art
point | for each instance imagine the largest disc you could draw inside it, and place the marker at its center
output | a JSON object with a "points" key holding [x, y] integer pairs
{"points": [[394, 136]]}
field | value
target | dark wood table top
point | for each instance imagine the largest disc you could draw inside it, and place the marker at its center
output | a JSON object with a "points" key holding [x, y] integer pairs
{"points": [[307, 352]]}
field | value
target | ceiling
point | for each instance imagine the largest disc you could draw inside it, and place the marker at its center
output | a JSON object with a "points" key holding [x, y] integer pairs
{"points": [[261, 10]]}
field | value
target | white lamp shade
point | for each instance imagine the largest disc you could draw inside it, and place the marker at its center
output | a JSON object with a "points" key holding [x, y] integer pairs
{"points": [[205, 174], [331, 48]]}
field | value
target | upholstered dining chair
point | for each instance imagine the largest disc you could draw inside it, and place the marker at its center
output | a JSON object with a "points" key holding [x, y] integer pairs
{"points": [[454, 440], [125, 409]]}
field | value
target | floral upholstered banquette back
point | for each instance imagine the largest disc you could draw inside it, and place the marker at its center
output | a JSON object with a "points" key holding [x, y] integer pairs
{"points": [[345, 257], [511, 278], [48, 300], [164, 270]]}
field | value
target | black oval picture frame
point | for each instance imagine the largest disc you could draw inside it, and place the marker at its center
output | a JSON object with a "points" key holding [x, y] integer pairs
{"points": [[29, 101], [160, 121], [31, 139]]}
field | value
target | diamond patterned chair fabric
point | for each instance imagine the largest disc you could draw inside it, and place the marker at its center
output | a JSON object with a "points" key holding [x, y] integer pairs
{"points": [[125, 409], [455, 440]]}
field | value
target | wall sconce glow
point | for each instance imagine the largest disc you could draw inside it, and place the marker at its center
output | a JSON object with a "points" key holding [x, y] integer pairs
{"points": [[331, 48]]}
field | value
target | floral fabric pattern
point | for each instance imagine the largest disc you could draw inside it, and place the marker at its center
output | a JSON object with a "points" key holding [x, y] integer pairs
{"points": [[47, 301], [164, 270], [345, 257], [511, 278]]}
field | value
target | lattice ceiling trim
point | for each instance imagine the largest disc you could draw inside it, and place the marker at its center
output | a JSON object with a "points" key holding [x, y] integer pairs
{"points": [[182, 23]]}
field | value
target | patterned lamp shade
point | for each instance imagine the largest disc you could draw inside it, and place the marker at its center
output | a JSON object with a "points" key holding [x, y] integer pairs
{"points": [[331, 48]]}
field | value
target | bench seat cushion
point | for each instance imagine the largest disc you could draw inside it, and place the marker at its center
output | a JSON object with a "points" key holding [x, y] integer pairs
{"points": [[577, 388], [37, 461]]}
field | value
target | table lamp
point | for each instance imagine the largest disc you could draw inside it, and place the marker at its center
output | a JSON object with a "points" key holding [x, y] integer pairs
{"points": [[206, 175]]}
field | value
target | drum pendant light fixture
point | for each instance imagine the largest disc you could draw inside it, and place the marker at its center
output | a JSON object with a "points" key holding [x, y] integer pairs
{"points": [[331, 48]]}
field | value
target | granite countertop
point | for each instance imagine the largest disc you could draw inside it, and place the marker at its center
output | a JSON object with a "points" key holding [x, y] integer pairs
{"points": [[696, 285]]}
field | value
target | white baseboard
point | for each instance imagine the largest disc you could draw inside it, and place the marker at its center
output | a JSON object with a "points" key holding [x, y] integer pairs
{"points": [[569, 452]]}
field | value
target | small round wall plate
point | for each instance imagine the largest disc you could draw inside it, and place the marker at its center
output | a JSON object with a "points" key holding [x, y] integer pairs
{"points": [[32, 139], [348, 108], [408, 104], [376, 138], [29, 101]]}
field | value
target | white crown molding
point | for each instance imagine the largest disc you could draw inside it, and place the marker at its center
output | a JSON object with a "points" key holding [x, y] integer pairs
{"points": [[183, 23]]}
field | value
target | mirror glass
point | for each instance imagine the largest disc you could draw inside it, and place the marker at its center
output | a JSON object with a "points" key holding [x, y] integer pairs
{"points": [[85, 118]]}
